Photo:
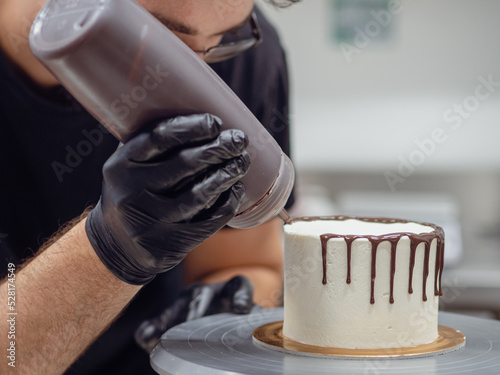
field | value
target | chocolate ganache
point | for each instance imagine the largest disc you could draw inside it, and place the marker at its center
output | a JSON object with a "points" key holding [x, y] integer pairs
{"points": [[393, 239]]}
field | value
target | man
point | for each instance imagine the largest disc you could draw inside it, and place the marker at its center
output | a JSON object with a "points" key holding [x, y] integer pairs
{"points": [[70, 294]]}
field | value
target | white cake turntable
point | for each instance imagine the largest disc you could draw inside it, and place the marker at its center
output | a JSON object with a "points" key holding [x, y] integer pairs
{"points": [[224, 344]]}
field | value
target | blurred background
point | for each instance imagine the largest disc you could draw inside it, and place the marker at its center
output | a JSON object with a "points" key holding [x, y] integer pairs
{"points": [[395, 111]]}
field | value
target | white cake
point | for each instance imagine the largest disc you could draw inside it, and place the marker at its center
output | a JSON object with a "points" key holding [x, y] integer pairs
{"points": [[332, 301]]}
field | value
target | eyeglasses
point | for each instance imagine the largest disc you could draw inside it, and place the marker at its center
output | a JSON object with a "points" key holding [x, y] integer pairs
{"points": [[225, 51]]}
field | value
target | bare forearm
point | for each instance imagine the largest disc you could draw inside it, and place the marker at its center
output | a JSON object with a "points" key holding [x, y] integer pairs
{"points": [[65, 297]]}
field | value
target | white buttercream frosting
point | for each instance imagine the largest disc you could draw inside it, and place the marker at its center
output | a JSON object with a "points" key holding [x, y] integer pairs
{"points": [[353, 226]]}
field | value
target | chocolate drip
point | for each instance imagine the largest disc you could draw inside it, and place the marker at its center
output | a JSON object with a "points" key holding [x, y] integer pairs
{"points": [[324, 239], [426, 269], [393, 269], [438, 291], [413, 251], [349, 241], [441, 265], [393, 238], [374, 268]]}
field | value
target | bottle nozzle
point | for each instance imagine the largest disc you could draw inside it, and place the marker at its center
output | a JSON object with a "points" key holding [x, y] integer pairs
{"points": [[283, 214]]}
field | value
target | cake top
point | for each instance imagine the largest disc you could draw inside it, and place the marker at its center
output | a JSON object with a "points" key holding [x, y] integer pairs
{"points": [[344, 225]]}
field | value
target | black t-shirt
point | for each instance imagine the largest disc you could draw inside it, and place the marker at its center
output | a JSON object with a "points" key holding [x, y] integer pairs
{"points": [[51, 156]]}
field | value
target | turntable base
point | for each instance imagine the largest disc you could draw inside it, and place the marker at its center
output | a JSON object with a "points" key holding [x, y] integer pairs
{"points": [[223, 344]]}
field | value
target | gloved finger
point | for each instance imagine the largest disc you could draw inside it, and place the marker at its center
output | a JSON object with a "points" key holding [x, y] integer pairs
{"points": [[200, 302], [235, 296], [149, 332], [198, 196], [183, 168], [224, 209], [170, 135], [239, 291], [230, 143], [204, 194]]}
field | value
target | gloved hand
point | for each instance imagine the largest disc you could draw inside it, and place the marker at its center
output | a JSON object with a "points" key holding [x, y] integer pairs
{"points": [[235, 296], [165, 191]]}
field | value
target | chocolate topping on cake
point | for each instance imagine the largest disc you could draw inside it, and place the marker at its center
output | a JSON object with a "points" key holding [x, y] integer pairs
{"points": [[393, 238]]}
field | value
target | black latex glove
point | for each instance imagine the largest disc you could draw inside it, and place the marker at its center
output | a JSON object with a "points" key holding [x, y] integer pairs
{"points": [[164, 192], [235, 296]]}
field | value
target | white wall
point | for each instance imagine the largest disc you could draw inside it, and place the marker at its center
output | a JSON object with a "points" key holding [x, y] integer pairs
{"points": [[368, 113]]}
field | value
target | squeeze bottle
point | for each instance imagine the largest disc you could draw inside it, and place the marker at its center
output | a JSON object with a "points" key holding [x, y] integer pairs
{"points": [[127, 69]]}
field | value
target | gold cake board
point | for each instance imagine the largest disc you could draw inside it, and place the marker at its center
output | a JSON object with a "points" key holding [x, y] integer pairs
{"points": [[270, 336]]}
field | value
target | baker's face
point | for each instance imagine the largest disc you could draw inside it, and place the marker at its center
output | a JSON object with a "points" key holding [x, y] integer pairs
{"points": [[200, 24]]}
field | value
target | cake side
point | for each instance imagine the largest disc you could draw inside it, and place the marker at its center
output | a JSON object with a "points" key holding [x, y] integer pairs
{"points": [[362, 291]]}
